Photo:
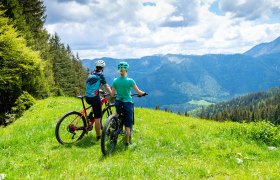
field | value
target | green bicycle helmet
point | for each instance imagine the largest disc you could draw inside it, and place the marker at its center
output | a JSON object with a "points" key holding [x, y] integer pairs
{"points": [[123, 65]]}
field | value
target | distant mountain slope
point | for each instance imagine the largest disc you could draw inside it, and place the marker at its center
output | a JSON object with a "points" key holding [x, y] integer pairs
{"points": [[265, 48], [262, 105], [175, 80]]}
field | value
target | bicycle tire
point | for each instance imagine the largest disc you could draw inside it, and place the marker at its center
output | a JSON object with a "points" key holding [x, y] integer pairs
{"points": [[106, 112], [109, 136], [66, 130]]}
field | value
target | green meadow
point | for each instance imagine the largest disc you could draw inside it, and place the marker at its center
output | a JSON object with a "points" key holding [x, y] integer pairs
{"points": [[165, 146]]}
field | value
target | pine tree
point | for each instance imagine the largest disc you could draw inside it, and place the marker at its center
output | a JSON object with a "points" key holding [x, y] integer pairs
{"points": [[69, 75], [28, 17], [14, 11], [21, 68], [34, 13], [30, 59]]}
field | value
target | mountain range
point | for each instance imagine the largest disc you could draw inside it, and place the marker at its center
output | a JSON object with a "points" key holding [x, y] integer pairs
{"points": [[181, 82]]}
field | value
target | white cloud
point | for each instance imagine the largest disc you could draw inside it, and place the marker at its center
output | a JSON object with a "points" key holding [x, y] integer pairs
{"points": [[250, 9], [124, 28], [154, 14]]}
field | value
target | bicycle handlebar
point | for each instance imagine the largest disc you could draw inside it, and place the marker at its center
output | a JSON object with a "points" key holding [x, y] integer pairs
{"points": [[145, 94], [106, 94]]}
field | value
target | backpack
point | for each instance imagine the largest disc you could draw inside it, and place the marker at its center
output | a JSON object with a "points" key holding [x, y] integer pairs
{"points": [[94, 80]]}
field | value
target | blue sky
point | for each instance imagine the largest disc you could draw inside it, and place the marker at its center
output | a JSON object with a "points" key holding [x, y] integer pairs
{"points": [[136, 28]]}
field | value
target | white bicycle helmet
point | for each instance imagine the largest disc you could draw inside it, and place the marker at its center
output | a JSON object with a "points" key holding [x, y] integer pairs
{"points": [[100, 63]]}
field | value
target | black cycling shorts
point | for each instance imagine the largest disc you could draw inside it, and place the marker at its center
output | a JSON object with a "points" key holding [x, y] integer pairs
{"points": [[96, 105], [127, 108]]}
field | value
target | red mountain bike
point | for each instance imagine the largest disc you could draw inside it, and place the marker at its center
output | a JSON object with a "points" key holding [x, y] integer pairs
{"points": [[73, 125]]}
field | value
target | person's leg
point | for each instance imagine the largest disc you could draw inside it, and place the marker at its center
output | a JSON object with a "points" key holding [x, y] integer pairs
{"points": [[97, 110], [127, 135], [90, 116], [97, 127], [128, 115], [89, 100]]}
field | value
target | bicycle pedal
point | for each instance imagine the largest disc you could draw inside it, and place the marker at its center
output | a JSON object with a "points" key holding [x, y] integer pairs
{"points": [[90, 128], [122, 133]]}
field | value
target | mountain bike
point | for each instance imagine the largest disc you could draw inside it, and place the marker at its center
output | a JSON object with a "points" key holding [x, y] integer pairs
{"points": [[72, 126], [112, 129]]}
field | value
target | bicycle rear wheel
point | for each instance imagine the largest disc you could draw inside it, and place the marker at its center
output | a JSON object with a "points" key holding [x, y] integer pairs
{"points": [[106, 112], [70, 128], [109, 136]]}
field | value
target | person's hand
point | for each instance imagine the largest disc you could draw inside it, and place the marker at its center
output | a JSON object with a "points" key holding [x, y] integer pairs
{"points": [[145, 94]]}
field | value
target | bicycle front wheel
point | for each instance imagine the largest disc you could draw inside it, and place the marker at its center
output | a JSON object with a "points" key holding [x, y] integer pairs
{"points": [[109, 136], [70, 128]]}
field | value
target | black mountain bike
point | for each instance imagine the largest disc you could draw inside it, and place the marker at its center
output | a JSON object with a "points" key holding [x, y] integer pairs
{"points": [[111, 131], [73, 125]]}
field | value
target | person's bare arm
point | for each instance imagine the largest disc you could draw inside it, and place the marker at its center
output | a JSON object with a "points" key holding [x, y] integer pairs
{"points": [[113, 91], [107, 87], [138, 90]]}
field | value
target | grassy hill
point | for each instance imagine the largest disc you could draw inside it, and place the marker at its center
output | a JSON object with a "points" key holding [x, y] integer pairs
{"points": [[166, 146]]}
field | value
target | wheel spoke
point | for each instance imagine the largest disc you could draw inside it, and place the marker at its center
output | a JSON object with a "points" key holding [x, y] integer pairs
{"points": [[70, 128], [107, 111], [109, 135]]}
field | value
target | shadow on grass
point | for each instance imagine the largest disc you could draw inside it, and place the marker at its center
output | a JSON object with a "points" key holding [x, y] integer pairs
{"points": [[120, 148], [86, 142]]}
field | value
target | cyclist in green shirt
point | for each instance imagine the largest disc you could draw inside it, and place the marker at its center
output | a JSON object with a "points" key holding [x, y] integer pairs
{"points": [[122, 86]]}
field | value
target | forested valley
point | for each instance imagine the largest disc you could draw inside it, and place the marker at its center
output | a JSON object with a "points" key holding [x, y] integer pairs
{"points": [[263, 105], [33, 63]]}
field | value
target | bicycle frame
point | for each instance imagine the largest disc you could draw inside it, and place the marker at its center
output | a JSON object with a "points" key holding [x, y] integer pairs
{"points": [[103, 101], [120, 115], [112, 128], [73, 125], [83, 111]]}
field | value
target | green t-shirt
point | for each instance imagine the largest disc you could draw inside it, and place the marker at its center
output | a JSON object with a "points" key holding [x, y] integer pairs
{"points": [[122, 86]]}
